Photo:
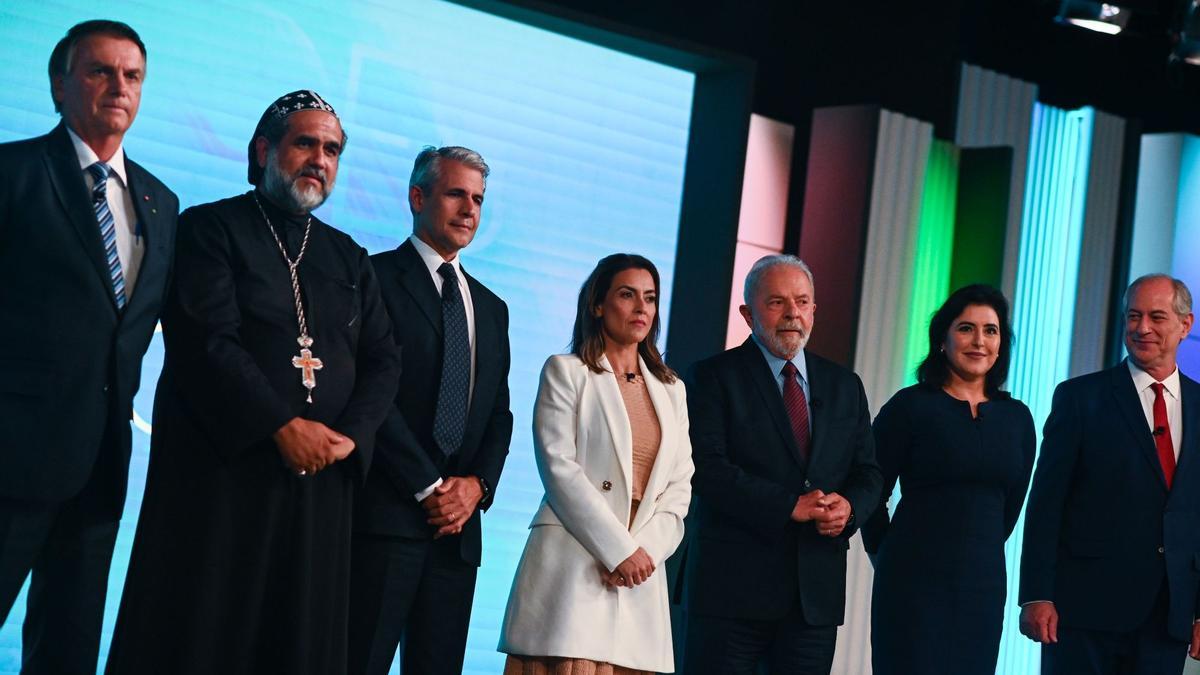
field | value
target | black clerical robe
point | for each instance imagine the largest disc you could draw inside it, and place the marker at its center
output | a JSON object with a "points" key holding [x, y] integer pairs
{"points": [[238, 564]]}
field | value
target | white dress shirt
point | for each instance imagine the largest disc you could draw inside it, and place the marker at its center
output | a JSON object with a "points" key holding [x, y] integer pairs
{"points": [[1171, 396], [433, 260], [131, 246]]}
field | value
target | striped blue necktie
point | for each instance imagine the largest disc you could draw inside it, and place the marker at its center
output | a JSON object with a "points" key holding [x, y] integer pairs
{"points": [[108, 229]]}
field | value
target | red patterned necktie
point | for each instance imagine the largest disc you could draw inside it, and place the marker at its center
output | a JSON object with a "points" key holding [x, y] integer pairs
{"points": [[1162, 434], [796, 406]]}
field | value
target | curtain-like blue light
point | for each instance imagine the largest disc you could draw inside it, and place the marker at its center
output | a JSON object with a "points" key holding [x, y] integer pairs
{"points": [[1043, 307]]}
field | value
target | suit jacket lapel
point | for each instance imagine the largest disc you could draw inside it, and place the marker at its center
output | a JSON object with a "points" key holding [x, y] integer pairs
{"points": [[1131, 409], [153, 227], [768, 389], [486, 342], [416, 281], [665, 459], [67, 178], [818, 391], [618, 420]]}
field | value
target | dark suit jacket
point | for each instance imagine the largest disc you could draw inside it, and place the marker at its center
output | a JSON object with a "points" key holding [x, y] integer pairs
{"points": [[748, 560], [406, 458], [70, 363], [1101, 528]]}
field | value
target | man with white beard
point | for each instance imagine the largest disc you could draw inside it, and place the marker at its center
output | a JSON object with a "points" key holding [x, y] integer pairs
{"points": [[785, 473], [280, 365]]}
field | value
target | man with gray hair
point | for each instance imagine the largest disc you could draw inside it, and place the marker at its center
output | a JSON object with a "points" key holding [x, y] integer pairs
{"points": [[1110, 581], [417, 534], [785, 472]]}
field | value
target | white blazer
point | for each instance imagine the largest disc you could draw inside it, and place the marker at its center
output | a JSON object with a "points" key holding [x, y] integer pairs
{"points": [[584, 451]]}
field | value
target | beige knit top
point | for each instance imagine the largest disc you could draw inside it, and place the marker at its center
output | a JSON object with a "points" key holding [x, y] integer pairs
{"points": [[647, 434]]}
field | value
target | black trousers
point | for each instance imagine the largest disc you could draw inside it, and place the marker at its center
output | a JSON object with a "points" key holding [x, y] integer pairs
{"points": [[787, 646], [411, 593], [67, 547], [1146, 650]]}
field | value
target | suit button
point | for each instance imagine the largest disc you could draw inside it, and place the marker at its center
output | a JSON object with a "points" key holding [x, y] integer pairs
{"points": [[1161, 550], [104, 389], [606, 485], [807, 485]]}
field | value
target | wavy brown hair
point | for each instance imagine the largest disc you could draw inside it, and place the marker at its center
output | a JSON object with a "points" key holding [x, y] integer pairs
{"points": [[587, 338]]}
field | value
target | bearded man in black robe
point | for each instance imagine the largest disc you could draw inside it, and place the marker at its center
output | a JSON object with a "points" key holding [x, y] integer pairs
{"points": [[280, 365]]}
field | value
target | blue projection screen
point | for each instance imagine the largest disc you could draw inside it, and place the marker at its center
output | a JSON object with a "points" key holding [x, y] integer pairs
{"points": [[587, 148]]}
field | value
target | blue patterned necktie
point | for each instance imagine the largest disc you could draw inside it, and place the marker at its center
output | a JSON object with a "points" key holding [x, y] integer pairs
{"points": [[450, 421], [108, 229]]}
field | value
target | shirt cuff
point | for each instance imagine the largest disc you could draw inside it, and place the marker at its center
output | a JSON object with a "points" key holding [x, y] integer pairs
{"points": [[420, 496]]}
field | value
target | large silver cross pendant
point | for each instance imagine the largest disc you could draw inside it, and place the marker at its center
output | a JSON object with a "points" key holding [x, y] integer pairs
{"points": [[307, 364]]}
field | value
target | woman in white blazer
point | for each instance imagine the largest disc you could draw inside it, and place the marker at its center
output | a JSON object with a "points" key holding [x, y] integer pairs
{"points": [[611, 442]]}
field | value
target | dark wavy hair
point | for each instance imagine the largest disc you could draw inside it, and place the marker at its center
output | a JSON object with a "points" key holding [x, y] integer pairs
{"points": [[587, 338], [935, 370]]}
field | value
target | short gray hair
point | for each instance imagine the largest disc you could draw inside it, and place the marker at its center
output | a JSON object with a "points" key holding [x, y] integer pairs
{"points": [[767, 262], [427, 167], [1182, 302]]}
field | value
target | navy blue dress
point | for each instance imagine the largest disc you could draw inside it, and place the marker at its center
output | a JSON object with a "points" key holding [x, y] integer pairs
{"points": [[940, 582]]}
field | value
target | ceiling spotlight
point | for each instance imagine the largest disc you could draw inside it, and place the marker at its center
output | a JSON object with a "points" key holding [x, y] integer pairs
{"points": [[1101, 17]]}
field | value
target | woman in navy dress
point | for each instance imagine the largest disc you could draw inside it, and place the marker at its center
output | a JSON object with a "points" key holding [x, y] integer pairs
{"points": [[963, 452]]}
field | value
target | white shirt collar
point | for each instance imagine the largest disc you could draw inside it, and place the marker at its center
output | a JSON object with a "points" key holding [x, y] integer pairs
{"points": [[432, 259], [1142, 380], [88, 157]]}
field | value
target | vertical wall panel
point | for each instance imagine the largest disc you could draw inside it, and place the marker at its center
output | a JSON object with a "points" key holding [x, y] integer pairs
{"points": [[981, 218], [1052, 225], [889, 263], [1166, 222], [763, 215], [889, 260], [1157, 201], [1092, 320], [837, 195], [765, 182], [994, 109], [1186, 259], [934, 248]]}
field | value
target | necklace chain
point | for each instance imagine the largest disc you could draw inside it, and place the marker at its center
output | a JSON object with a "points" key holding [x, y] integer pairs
{"points": [[293, 269]]}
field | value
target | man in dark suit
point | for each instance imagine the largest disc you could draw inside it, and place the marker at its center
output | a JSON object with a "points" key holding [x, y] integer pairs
{"points": [[785, 470], [1110, 569], [86, 239], [439, 453]]}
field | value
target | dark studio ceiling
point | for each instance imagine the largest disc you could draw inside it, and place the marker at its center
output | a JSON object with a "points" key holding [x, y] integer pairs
{"points": [[905, 55]]}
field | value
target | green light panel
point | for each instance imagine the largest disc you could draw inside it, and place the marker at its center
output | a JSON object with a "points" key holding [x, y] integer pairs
{"points": [[934, 249]]}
